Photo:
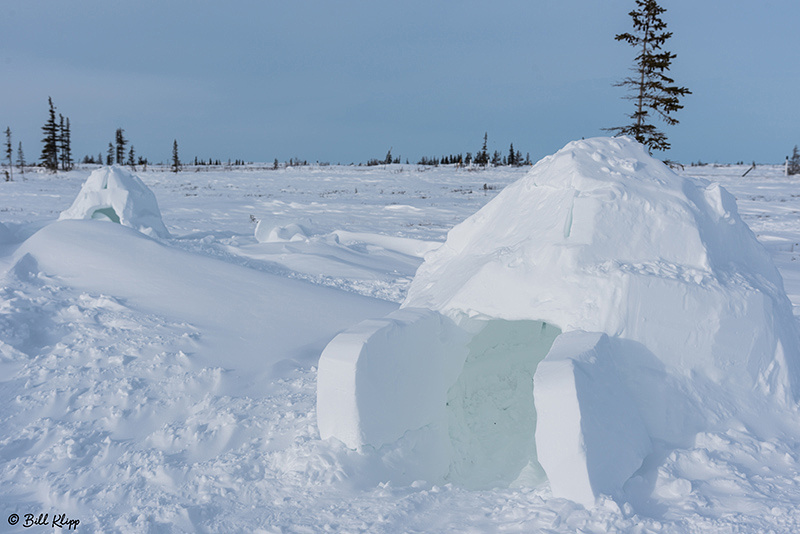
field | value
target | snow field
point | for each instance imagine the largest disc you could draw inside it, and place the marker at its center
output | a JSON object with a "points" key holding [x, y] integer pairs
{"points": [[212, 451]]}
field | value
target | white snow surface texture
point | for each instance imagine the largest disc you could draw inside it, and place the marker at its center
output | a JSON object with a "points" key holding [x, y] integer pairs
{"points": [[673, 317], [170, 384], [117, 195]]}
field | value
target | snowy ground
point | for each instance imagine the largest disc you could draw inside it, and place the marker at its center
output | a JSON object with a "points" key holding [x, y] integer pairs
{"points": [[169, 385]]}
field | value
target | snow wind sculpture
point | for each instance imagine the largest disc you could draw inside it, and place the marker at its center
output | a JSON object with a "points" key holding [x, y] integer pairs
{"points": [[597, 306], [115, 194]]}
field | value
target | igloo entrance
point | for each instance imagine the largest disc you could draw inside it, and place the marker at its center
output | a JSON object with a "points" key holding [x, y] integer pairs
{"points": [[441, 400], [491, 417], [106, 214]]}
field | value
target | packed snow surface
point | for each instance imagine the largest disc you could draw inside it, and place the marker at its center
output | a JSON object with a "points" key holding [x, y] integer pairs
{"points": [[170, 385]]}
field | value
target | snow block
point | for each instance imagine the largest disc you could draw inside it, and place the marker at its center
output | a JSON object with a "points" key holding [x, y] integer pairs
{"points": [[115, 194], [590, 438], [384, 377]]}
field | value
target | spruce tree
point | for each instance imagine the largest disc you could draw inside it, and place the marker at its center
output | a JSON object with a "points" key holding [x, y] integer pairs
{"points": [[110, 155], [21, 160], [512, 156], [49, 157], [66, 136], [482, 157], [9, 153], [121, 142], [60, 141], [650, 88], [131, 158], [176, 161], [64, 144], [794, 163]]}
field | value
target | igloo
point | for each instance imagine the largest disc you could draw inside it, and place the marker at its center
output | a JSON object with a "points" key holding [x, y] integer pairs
{"points": [[117, 195], [598, 305]]}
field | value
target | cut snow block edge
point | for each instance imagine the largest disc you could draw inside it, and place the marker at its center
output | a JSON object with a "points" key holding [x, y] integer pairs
{"points": [[384, 377], [590, 437]]}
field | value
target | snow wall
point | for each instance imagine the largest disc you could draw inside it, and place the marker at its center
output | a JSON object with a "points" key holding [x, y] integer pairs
{"points": [[115, 194], [597, 304]]}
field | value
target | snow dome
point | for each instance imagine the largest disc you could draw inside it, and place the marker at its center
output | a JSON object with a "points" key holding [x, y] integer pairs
{"points": [[115, 194], [598, 305]]}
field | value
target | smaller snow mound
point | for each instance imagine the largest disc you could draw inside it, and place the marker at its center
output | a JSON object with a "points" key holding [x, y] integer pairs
{"points": [[269, 232], [115, 194], [404, 245]]}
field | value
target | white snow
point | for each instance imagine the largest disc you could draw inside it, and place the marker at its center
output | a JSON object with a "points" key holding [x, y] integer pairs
{"points": [[603, 238], [170, 385], [117, 195]]}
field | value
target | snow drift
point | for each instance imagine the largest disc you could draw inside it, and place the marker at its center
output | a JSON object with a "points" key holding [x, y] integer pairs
{"points": [[115, 194], [275, 233], [603, 295]]}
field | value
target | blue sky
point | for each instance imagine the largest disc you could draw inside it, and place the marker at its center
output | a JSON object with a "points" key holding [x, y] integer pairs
{"points": [[345, 81]]}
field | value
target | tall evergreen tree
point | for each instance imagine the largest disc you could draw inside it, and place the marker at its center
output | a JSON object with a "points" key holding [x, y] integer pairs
{"points": [[49, 157], [132, 158], [21, 160], [121, 143], [60, 141], [64, 144], [650, 88], [793, 166], [176, 161], [67, 140], [512, 156], [482, 157], [9, 153]]}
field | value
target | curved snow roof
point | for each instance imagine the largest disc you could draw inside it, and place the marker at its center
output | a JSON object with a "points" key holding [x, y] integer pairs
{"points": [[602, 237]]}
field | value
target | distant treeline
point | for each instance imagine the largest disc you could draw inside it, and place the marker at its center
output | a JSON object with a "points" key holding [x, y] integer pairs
{"points": [[57, 153], [513, 158]]}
